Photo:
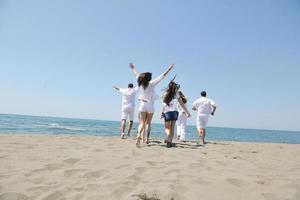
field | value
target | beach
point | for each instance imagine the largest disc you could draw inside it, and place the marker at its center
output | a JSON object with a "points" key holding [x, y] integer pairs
{"points": [[55, 167]]}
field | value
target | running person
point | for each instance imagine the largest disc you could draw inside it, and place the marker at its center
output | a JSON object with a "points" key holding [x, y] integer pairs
{"points": [[171, 101], [128, 105], [204, 107], [182, 118], [148, 96]]}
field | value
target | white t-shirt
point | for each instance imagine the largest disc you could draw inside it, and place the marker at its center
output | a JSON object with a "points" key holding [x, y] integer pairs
{"points": [[204, 105], [173, 105], [149, 94], [128, 96]]}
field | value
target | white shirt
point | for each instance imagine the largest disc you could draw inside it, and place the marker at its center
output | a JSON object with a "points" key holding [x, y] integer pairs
{"points": [[204, 105], [128, 96], [173, 105], [149, 94]]}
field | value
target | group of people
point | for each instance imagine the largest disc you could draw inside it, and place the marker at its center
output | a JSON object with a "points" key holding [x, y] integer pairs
{"points": [[174, 107]]}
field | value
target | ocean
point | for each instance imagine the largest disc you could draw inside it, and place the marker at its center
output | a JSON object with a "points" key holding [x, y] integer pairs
{"points": [[23, 124]]}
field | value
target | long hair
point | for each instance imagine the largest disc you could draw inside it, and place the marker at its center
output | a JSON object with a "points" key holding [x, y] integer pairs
{"points": [[183, 98], [144, 79], [171, 92]]}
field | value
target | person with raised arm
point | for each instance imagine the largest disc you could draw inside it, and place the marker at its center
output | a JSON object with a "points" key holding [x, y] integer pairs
{"points": [[128, 105], [148, 97]]}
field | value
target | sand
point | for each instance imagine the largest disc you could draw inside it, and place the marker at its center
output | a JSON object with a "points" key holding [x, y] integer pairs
{"points": [[49, 167]]}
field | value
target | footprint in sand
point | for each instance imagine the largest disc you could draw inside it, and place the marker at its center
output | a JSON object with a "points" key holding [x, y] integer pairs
{"points": [[135, 176], [263, 180], [172, 162], [94, 174], [172, 171], [141, 169], [71, 160], [151, 163], [40, 188], [38, 180], [72, 172], [122, 166], [49, 167], [13, 196], [3, 157], [86, 188], [236, 182]]}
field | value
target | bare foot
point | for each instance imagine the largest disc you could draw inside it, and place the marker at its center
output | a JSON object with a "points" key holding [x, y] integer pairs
{"points": [[202, 142], [123, 136], [138, 142], [169, 144], [148, 141]]}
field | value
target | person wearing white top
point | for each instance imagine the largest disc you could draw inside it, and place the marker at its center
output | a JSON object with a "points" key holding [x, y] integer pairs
{"points": [[128, 105], [182, 119], [147, 96], [204, 107], [171, 100]]}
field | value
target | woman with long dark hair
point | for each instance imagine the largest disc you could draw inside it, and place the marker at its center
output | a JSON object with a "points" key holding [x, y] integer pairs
{"points": [[171, 100], [147, 99]]}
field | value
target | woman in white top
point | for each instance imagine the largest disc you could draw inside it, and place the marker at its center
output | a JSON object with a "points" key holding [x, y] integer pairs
{"points": [[147, 98], [182, 119], [171, 100]]}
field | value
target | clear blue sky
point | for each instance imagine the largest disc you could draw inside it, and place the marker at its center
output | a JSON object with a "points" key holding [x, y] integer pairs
{"points": [[59, 58]]}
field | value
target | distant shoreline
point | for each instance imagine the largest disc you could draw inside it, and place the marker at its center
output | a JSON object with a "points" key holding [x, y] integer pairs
{"points": [[72, 118]]}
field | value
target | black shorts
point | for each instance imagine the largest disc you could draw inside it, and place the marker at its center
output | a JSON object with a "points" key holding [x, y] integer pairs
{"points": [[171, 116]]}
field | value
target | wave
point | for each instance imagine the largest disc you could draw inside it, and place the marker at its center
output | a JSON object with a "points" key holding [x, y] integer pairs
{"points": [[72, 128]]}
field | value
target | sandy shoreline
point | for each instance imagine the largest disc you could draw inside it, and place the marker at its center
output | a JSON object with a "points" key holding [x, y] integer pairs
{"points": [[91, 167]]}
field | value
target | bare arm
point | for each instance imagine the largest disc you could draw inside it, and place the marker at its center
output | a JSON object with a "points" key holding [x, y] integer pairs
{"points": [[214, 110], [184, 107], [134, 71], [163, 75], [116, 87]]}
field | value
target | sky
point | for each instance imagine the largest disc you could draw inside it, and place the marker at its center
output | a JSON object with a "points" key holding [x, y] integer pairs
{"points": [[60, 58]]}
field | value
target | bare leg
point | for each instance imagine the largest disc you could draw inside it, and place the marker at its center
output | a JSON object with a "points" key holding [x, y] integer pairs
{"points": [[172, 131], [148, 127], [202, 135], [123, 126], [141, 127], [168, 132], [129, 127]]}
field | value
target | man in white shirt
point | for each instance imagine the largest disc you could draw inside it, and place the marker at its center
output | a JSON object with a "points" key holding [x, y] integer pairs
{"points": [[204, 107], [128, 105]]}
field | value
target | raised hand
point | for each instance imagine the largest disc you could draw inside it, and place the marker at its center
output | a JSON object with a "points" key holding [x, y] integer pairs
{"points": [[131, 66]]}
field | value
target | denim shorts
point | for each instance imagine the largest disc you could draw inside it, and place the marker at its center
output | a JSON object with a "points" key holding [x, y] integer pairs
{"points": [[171, 116]]}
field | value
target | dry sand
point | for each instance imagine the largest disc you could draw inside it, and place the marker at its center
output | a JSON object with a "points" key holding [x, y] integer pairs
{"points": [[107, 168]]}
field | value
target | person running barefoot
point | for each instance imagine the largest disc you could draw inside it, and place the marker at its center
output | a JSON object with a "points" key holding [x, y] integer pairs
{"points": [[171, 100], [182, 118], [128, 105], [204, 107], [148, 96]]}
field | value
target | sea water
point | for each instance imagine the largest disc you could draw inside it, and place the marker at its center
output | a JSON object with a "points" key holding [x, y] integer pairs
{"points": [[21, 124]]}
